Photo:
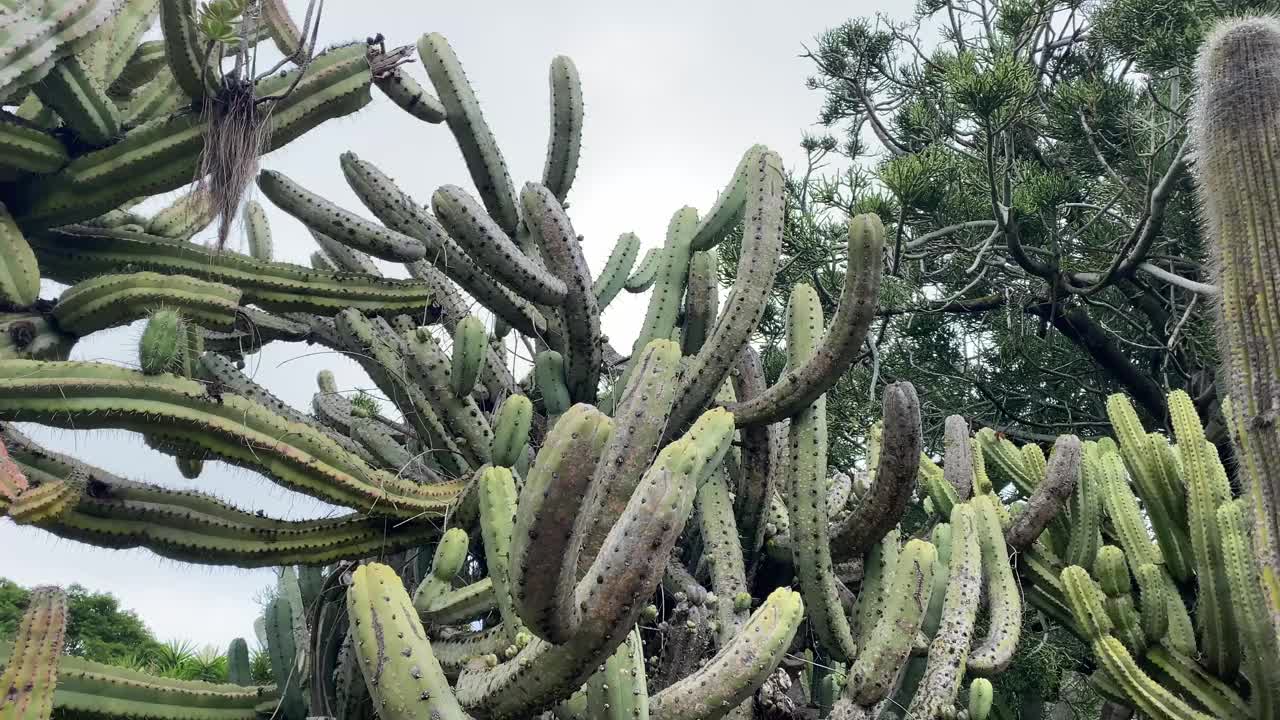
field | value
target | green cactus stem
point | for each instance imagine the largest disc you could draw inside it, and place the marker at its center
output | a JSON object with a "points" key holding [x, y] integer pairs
{"points": [[701, 301], [615, 273], [619, 690], [400, 87], [28, 681], [645, 273], [565, 142], [841, 344], [469, 347], [880, 509], [93, 395], [741, 666], [479, 148], [1234, 117], [1004, 599], [1050, 496], [729, 203], [403, 677], [40, 40], [761, 457], [113, 300], [28, 149], [1261, 655], [722, 553]]}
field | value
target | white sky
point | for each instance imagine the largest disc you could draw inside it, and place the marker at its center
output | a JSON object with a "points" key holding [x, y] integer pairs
{"points": [[674, 92]]}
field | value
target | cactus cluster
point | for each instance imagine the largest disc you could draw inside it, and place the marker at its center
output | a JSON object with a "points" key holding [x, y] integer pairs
{"points": [[577, 531]]}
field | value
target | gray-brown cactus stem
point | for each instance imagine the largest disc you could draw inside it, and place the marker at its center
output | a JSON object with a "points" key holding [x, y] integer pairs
{"points": [[1050, 496]]}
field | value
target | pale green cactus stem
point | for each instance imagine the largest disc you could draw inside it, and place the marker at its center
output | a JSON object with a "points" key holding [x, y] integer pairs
{"points": [[341, 225], [344, 258], [479, 148], [184, 217], [29, 150], [1004, 599], [958, 460], [565, 142], [739, 668], [841, 344], [163, 346], [550, 227], [1153, 601], [511, 426], [1122, 507], [980, 699], [1113, 577], [404, 678], [553, 496], [400, 87], [880, 509], [1085, 508], [1050, 496], [429, 367], [19, 272], [941, 494], [497, 491], [1261, 655], [729, 203], [113, 300], [1007, 462], [872, 675], [29, 679], [949, 649], [646, 272], [877, 574], [548, 373], [615, 273], [722, 553], [619, 690], [1191, 680], [72, 91], [1207, 489], [282, 647], [806, 490], [1235, 115]]}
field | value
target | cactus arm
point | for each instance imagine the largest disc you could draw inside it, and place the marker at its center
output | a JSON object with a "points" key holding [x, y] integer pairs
{"points": [[645, 273], [882, 507], [183, 218], [403, 677], [542, 674], [1153, 602], [872, 675], [187, 59], [619, 691], [42, 39], [1085, 508], [88, 395], [701, 301], [283, 650], [842, 343], [555, 491], [1207, 489], [497, 491], [19, 273], [642, 415], [511, 426], [1234, 117], [1191, 680], [29, 679], [430, 369], [949, 650], [133, 20], [722, 552], [739, 668], [1122, 508], [729, 204], [28, 149], [581, 314], [757, 266], [469, 347], [400, 87], [877, 573], [1261, 655], [806, 490], [398, 211], [113, 300], [958, 460], [344, 226], [466, 122], [1050, 496], [1145, 693], [238, 672], [257, 231], [488, 243], [615, 273], [339, 256], [1113, 576], [1007, 461], [760, 463], [565, 141], [76, 95], [1004, 601]]}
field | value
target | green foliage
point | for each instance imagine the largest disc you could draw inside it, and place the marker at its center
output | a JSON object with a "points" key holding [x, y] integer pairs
{"points": [[97, 627]]}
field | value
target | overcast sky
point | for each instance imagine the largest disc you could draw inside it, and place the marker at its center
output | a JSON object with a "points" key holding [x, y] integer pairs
{"points": [[674, 92]]}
